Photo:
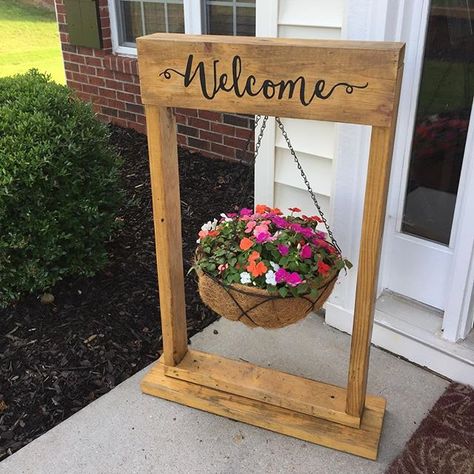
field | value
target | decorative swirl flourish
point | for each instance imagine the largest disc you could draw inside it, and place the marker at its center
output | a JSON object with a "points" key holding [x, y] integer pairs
{"points": [[167, 73]]}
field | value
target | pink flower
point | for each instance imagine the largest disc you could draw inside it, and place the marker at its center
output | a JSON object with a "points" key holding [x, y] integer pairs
{"points": [[264, 237], [280, 222], [250, 226], [283, 249], [280, 275], [246, 212], [294, 279], [259, 229], [223, 267], [306, 251]]}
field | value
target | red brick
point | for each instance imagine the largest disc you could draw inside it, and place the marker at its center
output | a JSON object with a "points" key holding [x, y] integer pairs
{"points": [[135, 68], [89, 70], [61, 18], [198, 123], [221, 128], [135, 108], [91, 61], [115, 104], [120, 76], [76, 58], [105, 73], [75, 85], [69, 75], [127, 116], [138, 127], [235, 142], [96, 81], [91, 89], [132, 88], [189, 112], [71, 66], [85, 51], [111, 84], [60, 8], [68, 47], [125, 96], [181, 139], [180, 119], [210, 136], [210, 115], [222, 150], [62, 28], [107, 93], [106, 32], [141, 119], [110, 112], [244, 133], [107, 44], [199, 144], [138, 99], [79, 77], [104, 23], [83, 96], [120, 122]]}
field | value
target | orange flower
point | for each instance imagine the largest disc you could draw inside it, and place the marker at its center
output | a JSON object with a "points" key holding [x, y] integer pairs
{"points": [[277, 211], [257, 269], [245, 243], [253, 256], [261, 208]]}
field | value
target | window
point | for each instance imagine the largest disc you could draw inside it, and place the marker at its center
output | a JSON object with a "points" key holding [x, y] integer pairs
{"points": [[138, 18], [230, 17], [135, 18]]}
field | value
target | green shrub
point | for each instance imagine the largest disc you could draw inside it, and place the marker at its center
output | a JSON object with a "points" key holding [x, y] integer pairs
{"points": [[59, 188]]}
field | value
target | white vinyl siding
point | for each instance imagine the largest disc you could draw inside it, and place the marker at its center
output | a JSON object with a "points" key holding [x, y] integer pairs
{"points": [[314, 141]]}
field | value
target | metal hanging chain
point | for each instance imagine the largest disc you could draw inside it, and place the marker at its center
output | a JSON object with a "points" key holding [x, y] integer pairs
{"points": [[306, 182], [258, 143]]}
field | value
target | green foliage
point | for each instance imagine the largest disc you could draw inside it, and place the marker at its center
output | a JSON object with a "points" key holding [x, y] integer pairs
{"points": [[59, 188]]}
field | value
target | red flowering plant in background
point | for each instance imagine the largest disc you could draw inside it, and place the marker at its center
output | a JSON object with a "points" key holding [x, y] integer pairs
{"points": [[284, 254]]}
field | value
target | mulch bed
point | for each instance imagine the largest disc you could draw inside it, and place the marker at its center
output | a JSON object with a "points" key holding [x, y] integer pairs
{"points": [[444, 441], [57, 358]]}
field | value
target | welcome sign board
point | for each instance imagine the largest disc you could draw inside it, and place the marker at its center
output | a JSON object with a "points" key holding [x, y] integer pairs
{"points": [[338, 81]]}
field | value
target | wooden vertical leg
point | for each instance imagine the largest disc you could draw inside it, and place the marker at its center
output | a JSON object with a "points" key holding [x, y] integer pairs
{"points": [[162, 150], [371, 242]]}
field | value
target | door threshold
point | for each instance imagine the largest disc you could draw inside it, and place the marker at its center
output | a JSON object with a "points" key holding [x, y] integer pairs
{"points": [[413, 331]]}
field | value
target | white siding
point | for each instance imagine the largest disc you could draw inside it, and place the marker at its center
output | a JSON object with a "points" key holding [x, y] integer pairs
{"points": [[314, 141]]}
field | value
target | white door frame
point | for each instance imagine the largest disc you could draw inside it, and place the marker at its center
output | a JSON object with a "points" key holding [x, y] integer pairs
{"points": [[393, 20]]}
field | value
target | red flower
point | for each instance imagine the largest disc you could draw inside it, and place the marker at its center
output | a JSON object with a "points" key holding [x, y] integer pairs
{"points": [[323, 268], [294, 209]]}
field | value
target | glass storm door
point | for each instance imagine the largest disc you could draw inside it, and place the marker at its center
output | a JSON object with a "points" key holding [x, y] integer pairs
{"points": [[424, 222]]}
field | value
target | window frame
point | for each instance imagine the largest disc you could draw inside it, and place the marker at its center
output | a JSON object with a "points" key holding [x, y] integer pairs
{"points": [[192, 25], [194, 22]]}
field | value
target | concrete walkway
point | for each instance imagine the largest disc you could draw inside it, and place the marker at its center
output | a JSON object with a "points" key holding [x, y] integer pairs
{"points": [[128, 432]]}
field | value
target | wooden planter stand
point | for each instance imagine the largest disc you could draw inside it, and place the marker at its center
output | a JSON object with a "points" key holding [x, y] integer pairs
{"points": [[339, 81]]}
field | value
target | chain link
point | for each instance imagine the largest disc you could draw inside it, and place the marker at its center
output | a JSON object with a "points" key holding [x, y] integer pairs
{"points": [[258, 143], [306, 182]]}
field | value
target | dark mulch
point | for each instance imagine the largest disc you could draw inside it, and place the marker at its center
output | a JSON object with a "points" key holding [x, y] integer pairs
{"points": [[444, 441], [55, 359]]}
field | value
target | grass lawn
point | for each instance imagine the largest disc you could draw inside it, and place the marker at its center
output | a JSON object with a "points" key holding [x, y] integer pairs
{"points": [[30, 39]]}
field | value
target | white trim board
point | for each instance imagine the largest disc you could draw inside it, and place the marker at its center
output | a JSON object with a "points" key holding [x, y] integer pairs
{"points": [[423, 346]]}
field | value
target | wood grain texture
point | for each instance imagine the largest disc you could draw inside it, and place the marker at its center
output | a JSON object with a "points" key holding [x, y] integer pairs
{"points": [[162, 150], [376, 190], [269, 386], [355, 63], [362, 442]]}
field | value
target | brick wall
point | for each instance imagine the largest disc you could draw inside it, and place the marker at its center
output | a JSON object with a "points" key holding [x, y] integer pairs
{"points": [[110, 82]]}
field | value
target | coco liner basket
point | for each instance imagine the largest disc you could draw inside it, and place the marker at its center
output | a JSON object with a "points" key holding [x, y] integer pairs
{"points": [[256, 307]]}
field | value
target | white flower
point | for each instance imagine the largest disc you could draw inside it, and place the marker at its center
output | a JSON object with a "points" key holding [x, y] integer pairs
{"points": [[270, 278], [209, 225], [275, 266], [226, 218], [245, 278]]}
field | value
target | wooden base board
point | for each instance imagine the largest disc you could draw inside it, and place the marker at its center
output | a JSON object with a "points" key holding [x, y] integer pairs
{"points": [[269, 386], [361, 441]]}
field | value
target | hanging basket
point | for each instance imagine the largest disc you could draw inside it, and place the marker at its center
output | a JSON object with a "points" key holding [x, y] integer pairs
{"points": [[256, 307]]}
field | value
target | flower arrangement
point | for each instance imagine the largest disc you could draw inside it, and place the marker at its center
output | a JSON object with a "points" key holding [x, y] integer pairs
{"points": [[284, 255]]}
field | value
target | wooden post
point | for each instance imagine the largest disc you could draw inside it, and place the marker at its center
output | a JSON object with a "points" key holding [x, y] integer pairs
{"points": [[162, 150], [369, 256]]}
